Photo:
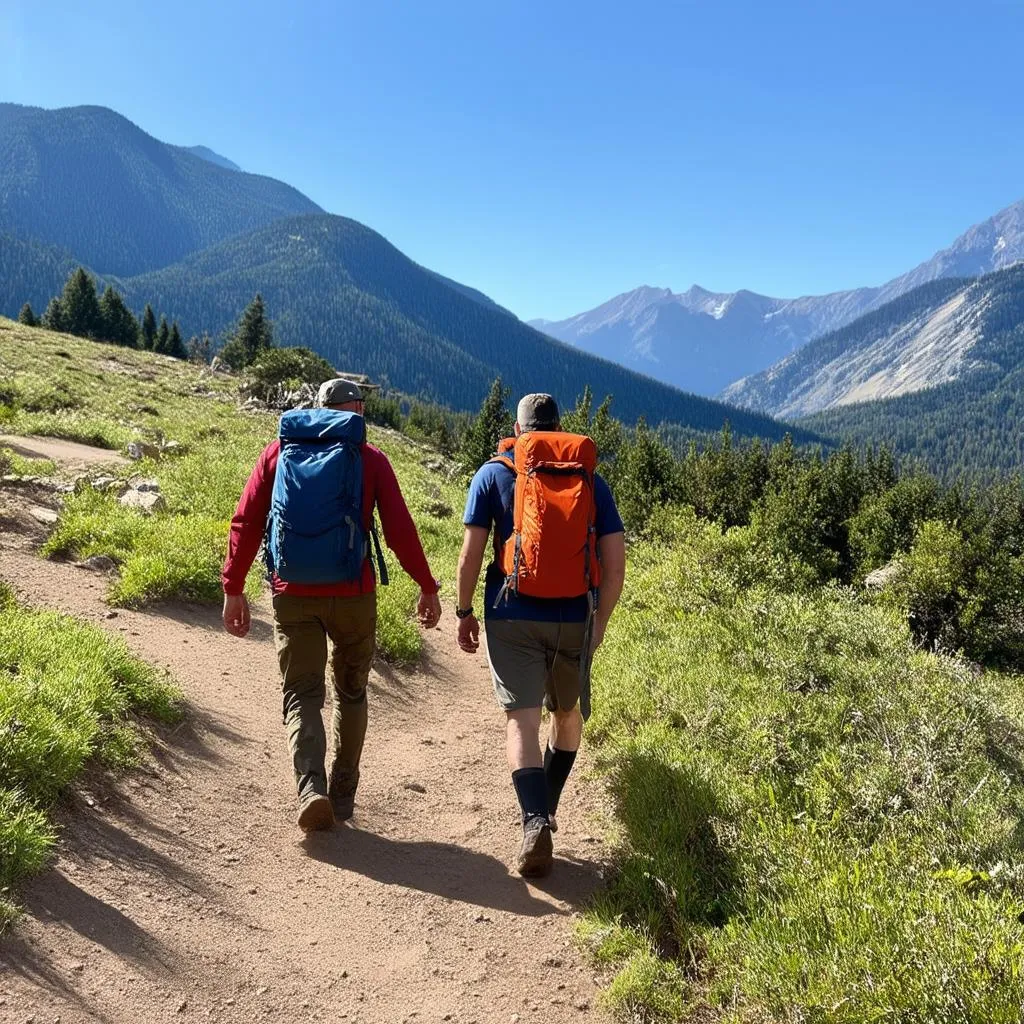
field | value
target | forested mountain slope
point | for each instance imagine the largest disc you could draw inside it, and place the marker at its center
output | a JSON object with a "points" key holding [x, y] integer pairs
{"points": [[30, 272], [88, 180], [973, 425], [337, 287]]}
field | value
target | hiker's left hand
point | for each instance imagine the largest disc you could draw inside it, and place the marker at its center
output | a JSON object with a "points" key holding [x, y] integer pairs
{"points": [[429, 610], [469, 634], [597, 634]]}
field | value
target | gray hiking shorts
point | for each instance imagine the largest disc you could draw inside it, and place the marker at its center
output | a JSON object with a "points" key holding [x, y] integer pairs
{"points": [[535, 663]]}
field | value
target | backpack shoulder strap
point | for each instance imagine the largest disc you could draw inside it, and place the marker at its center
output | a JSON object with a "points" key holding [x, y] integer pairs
{"points": [[506, 448]]}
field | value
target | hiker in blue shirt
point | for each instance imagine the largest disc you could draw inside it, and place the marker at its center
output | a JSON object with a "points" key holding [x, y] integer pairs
{"points": [[539, 648]]}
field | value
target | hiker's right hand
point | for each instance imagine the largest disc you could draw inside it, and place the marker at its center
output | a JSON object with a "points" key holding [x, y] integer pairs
{"points": [[236, 614], [469, 634]]}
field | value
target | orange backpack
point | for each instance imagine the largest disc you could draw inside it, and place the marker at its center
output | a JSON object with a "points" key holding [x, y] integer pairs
{"points": [[553, 548]]}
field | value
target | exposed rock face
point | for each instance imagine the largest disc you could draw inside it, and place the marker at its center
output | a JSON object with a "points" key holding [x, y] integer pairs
{"points": [[931, 336]]}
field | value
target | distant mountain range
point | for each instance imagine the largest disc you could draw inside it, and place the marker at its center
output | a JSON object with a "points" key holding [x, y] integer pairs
{"points": [[197, 240], [703, 341]]}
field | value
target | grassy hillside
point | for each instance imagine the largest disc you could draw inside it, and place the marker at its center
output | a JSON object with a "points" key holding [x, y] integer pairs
{"points": [[339, 288], [818, 820], [88, 180], [100, 394]]}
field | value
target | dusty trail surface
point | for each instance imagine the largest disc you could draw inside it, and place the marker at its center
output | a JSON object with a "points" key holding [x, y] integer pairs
{"points": [[70, 453], [185, 891]]}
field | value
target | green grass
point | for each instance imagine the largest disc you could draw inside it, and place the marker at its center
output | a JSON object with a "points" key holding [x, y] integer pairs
{"points": [[816, 821], [68, 693], [104, 395], [19, 465]]}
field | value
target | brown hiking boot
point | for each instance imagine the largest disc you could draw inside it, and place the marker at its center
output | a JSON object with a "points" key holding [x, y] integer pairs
{"points": [[342, 791], [315, 813], [535, 853]]}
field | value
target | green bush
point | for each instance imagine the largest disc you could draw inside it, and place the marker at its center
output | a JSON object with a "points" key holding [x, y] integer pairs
{"points": [[289, 367], [385, 412]]}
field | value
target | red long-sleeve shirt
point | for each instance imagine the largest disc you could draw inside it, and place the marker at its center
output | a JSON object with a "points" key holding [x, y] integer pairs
{"points": [[380, 489]]}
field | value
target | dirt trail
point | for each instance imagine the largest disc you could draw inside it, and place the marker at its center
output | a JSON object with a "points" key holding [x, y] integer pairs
{"points": [[69, 453], [185, 892]]}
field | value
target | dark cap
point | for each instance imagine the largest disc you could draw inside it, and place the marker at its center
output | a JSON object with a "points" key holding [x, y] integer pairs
{"points": [[338, 391], [537, 412]]}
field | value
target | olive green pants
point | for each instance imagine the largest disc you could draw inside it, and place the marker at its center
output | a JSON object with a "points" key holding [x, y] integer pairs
{"points": [[302, 627]]}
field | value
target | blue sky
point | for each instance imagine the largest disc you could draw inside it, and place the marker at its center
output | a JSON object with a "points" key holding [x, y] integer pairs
{"points": [[555, 154]]}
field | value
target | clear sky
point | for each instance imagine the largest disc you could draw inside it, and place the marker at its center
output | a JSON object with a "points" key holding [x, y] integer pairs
{"points": [[554, 153]]}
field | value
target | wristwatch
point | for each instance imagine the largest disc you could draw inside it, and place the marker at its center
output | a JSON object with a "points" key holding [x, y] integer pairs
{"points": [[463, 613]]}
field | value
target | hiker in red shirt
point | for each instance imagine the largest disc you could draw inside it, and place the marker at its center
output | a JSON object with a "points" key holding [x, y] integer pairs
{"points": [[343, 609]]}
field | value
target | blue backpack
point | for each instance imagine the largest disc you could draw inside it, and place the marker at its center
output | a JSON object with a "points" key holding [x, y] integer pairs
{"points": [[315, 528]]}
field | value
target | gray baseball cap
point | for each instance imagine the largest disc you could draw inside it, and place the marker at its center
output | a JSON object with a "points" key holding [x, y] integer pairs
{"points": [[338, 391], [537, 412]]}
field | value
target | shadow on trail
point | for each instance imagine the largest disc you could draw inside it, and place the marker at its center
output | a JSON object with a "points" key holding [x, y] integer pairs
{"points": [[34, 966], [207, 617], [388, 682], [399, 685], [56, 898], [451, 871], [189, 740]]}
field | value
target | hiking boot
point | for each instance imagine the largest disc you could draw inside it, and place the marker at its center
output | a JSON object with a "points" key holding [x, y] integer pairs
{"points": [[315, 813], [535, 853], [341, 788]]}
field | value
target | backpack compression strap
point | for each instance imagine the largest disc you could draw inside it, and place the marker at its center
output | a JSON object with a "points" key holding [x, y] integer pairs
{"points": [[511, 582], [382, 566]]}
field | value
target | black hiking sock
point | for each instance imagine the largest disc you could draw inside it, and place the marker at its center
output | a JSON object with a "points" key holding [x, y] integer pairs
{"points": [[557, 765], [532, 791]]}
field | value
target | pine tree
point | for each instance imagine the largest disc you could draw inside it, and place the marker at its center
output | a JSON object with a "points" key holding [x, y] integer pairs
{"points": [[646, 476], [492, 423], [163, 336], [253, 335], [199, 350], [54, 319], [27, 317], [81, 306], [148, 328], [118, 322], [175, 346], [255, 332]]}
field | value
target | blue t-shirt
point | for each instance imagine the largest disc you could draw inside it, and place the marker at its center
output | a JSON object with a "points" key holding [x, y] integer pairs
{"points": [[490, 503]]}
